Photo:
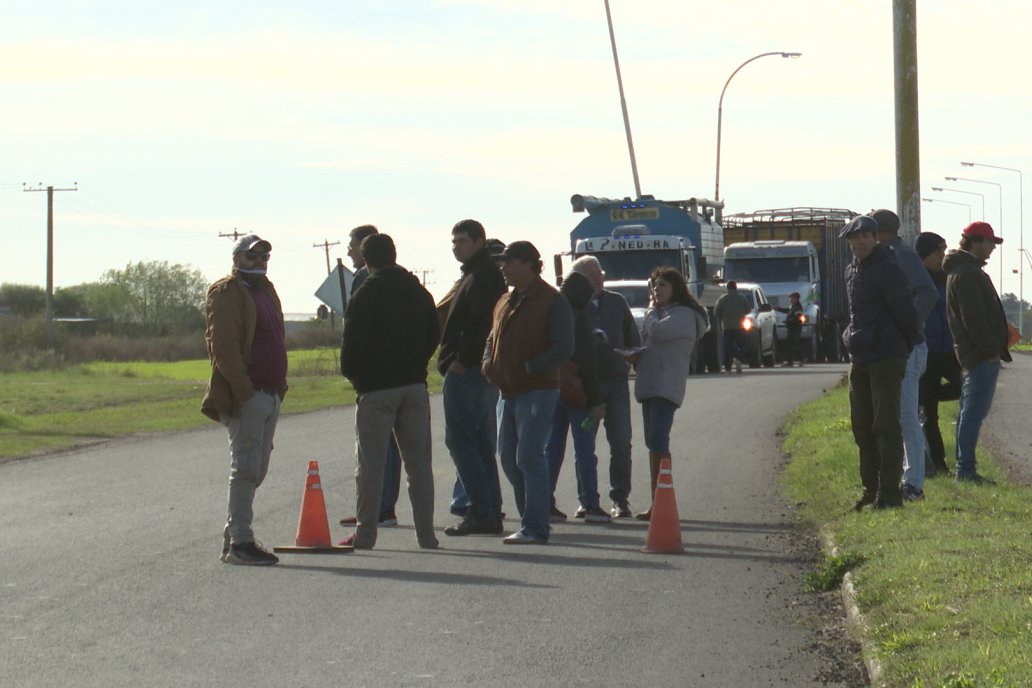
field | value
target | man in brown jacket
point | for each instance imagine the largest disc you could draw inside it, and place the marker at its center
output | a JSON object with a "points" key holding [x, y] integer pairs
{"points": [[248, 355], [531, 336]]}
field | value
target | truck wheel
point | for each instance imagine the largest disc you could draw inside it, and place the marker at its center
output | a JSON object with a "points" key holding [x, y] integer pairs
{"points": [[771, 360], [755, 353]]}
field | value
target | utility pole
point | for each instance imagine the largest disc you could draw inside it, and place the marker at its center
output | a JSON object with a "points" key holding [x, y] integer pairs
{"points": [[908, 153], [234, 235], [424, 273], [326, 245], [50, 254]]}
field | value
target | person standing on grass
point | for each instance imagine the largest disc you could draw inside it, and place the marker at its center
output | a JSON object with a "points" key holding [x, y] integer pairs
{"points": [[392, 467], [531, 335], [390, 334], [979, 330], [924, 295], [881, 332], [672, 326], [942, 359], [247, 349]]}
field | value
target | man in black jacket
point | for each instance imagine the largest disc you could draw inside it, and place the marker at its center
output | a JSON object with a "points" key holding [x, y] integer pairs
{"points": [[882, 330], [390, 333], [979, 337], [469, 399]]}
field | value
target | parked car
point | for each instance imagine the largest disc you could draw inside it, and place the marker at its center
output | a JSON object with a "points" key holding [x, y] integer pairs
{"points": [[637, 294], [759, 327]]}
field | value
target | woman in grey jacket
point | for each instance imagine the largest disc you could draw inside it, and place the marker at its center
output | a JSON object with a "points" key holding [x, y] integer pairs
{"points": [[672, 326]]}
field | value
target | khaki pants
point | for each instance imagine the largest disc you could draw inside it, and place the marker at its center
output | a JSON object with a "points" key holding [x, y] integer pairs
{"points": [[405, 411], [250, 446]]}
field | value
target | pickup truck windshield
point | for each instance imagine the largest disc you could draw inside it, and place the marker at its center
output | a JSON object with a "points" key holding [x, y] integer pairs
{"points": [[636, 265], [767, 270]]}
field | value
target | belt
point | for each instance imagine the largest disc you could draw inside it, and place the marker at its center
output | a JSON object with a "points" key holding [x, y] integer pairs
{"points": [[267, 390]]}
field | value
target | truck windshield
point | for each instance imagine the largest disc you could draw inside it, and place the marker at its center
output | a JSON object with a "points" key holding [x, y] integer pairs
{"points": [[767, 270], [636, 265]]}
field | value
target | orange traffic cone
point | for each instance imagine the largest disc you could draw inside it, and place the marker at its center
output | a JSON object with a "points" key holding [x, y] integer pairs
{"points": [[313, 527], [665, 525]]}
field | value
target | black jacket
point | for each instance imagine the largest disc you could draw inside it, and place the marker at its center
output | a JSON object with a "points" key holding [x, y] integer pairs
{"points": [[470, 312], [974, 311], [390, 332], [578, 291], [883, 322]]}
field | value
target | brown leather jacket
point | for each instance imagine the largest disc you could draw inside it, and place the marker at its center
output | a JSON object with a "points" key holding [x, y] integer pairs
{"points": [[231, 318]]}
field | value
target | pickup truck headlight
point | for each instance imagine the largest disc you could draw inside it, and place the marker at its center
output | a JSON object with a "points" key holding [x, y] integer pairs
{"points": [[747, 324]]}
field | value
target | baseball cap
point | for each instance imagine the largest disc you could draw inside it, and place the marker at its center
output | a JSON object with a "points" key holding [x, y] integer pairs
{"points": [[981, 230], [248, 242], [519, 250], [860, 223]]}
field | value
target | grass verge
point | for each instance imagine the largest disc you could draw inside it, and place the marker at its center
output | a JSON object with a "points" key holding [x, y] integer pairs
{"points": [[48, 410], [945, 583]]}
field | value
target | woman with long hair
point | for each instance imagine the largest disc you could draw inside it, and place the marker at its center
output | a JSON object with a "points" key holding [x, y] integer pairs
{"points": [[672, 326]]}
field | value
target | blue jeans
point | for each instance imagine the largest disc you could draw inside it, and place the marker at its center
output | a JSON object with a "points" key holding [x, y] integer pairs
{"points": [[734, 346], [910, 419], [658, 416], [523, 424], [618, 433], [469, 417], [585, 460], [976, 397]]}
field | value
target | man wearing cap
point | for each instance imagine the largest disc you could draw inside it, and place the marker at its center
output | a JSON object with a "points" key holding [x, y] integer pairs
{"points": [[979, 330], [390, 334], [924, 295], [942, 360], [531, 335], [246, 345], [881, 332], [731, 310]]}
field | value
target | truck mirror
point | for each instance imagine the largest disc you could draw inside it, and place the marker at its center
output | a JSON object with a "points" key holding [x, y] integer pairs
{"points": [[557, 263]]}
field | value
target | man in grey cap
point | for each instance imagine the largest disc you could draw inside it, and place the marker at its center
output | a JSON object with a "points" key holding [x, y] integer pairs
{"points": [[246, 345], [925, 296], [881, 332]]}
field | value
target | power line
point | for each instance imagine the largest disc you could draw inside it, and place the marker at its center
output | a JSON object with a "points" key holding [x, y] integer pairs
{"points": [[326, 245], [234, 235]]}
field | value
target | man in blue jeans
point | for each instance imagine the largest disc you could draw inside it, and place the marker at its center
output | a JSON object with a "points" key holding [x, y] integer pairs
{"points": [[469, 399], [979, 330], [531, 336]]}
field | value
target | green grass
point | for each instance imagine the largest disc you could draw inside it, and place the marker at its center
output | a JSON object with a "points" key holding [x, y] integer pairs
{"points": [[945, 583], [49, 410]]}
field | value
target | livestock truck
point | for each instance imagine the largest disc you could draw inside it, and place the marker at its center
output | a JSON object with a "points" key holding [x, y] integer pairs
{"points": [[795, 250], [632, 238]]}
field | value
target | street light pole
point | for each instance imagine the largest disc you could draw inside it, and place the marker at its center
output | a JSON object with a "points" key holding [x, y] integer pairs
{"points": [[1021, 230], [720, 108], [999, 188], [940, 200], [623, 104], [973, 193]]}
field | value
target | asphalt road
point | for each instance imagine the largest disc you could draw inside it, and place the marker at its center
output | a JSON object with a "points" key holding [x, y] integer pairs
{"points": [[1006, 428], [110, 576]]}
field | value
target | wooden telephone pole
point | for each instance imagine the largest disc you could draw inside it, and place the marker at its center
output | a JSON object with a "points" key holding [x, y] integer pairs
{"points": [[50, 254]]}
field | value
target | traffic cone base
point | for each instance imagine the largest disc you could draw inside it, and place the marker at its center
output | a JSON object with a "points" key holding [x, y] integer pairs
{"points": [[313, 527], [665, 525]]}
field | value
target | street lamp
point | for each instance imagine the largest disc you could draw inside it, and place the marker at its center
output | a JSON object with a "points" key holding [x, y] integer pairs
{"points": [[999, 187], [720, 108], [973, 193], [1021, 227], [939, 200]]}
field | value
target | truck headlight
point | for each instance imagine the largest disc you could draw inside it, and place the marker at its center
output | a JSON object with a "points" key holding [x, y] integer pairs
{"points": [[747, 324]]}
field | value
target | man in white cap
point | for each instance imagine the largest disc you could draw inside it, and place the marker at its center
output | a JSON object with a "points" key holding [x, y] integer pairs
{"points": [[246, 345]]}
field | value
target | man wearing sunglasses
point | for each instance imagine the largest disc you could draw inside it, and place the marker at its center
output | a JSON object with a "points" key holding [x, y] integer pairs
{"points": [[245, 339]]}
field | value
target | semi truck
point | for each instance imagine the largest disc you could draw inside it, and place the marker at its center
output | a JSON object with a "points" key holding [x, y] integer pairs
{"points": [[795, 250], [631, 238]]}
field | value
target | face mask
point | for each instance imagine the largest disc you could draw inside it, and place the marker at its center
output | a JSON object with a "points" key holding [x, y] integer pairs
{"points": [[253, 271]]}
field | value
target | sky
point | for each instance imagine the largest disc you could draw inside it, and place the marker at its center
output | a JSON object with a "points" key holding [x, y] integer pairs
{"points": [[298, 121]]}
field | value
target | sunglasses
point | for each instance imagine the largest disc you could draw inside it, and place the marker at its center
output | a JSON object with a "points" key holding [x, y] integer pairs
{"points": [[255, 255]]}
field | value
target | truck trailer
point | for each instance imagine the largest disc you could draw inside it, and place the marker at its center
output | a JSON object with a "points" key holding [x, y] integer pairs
{"points": [[795, 250]]}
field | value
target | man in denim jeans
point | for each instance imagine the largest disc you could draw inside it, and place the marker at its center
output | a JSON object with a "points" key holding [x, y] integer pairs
{"points": [[469, 399], [531, 336], [246, 345], [979, 330]]}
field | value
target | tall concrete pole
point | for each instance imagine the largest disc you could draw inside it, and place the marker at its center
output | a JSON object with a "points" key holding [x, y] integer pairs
{"points": [[908, 152]]}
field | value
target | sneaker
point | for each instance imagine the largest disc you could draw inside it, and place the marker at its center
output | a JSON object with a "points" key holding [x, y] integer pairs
{"points": [[349, 541], [595, 515], [521, 538], [787, 364], [249, 554], [475, 525], [621, 510], [862, 502], [738, 367], [878, 505], [911, 493], [644, 515], [388, 519], [800, 364], [579, 513], [974, 478], [556, 516], [459, 510], [225, 551]]}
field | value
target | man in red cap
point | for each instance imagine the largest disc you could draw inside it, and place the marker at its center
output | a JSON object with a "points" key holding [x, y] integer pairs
{"points": [[979, 337]]}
